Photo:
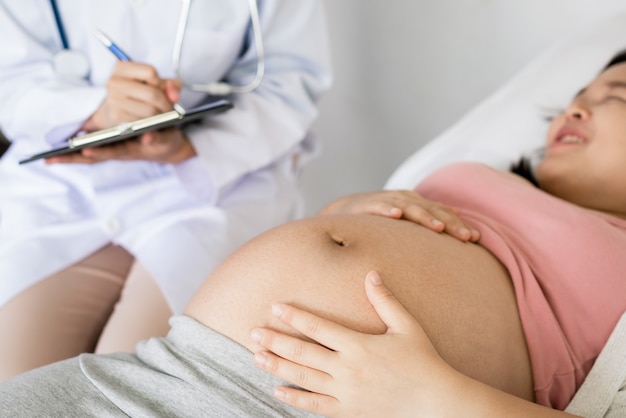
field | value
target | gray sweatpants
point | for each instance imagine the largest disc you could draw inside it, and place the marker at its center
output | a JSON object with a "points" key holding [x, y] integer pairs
{"points": [[193, 372]]}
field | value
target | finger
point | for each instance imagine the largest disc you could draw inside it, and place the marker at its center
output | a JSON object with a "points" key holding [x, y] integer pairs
{"points": [[138, 71], [149, 99], [307, 378], [455, 226], [123, 109], [72, 158], [149, 138], [387, 306], [383, 209], [418, 214], [172, 90], [126, 150], [295, 349], [327, 333], [167, 146], [313, 402], [157, 138], [440, 219], [176, 83]]}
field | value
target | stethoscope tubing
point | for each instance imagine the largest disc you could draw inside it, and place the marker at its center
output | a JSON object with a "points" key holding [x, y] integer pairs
{"points": [[221, 88], [215, 88], [59, 22]]}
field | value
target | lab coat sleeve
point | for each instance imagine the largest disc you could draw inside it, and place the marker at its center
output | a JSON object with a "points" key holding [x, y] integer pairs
{"points": [[34, 102], [274, 119]]}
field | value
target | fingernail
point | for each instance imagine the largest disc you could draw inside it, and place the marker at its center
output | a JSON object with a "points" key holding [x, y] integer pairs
{"points": [[256, 335], [436, 222], [280, 394], [374, 278], [260, 359], [277, 310], [464, 231]]}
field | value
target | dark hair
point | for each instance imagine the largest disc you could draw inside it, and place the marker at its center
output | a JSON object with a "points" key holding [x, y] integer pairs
{"points": [[524, 167], [619, 58]]}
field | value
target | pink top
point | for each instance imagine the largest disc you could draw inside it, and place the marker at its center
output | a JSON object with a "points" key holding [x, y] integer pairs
{"points": [[567, 263]]}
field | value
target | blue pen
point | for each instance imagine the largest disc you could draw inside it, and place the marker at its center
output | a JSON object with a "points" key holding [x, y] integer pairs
{"points": [[122, 56], [106, 41]]}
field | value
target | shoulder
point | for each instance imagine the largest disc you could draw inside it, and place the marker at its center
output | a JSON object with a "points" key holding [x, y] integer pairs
{"points": [[468, 173], [479, 187]]}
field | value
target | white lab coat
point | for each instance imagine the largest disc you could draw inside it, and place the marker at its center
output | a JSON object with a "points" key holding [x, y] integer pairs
{"points": [[180, 220]]}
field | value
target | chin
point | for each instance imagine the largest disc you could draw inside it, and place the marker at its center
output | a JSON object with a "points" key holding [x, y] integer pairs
{"points": [[552, 181]]}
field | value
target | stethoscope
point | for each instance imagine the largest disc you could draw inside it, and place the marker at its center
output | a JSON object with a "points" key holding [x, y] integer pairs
{"points": [[70, 63]]}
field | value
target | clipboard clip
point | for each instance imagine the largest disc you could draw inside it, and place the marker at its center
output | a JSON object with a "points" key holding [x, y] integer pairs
{"points": [[124, 128], [181, 110]]}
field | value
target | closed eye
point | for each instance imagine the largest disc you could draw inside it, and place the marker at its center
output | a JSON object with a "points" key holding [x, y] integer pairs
{"points": [[618, 98]]}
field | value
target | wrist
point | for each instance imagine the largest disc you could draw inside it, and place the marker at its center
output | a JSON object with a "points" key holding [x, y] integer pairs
{"points": [[184, 152], [446, 393], [91, 124]]}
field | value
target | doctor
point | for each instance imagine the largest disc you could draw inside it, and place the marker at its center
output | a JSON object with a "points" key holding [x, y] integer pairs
{"points": [[99, 248]]}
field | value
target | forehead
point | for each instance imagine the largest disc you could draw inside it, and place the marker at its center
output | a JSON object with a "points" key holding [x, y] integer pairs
{"points": [[614, 76]]}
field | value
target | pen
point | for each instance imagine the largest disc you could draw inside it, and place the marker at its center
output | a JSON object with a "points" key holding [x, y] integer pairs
{"points": [[122, 56], [106, 41]]}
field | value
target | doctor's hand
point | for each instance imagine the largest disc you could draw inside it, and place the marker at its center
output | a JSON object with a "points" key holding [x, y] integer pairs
{"points": [[408, 205], [134, 91], [396, 374], [164, 146]]}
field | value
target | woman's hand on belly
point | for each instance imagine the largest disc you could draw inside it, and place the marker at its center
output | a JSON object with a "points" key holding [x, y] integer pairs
{"points": [[408, 205], [395, 374]]}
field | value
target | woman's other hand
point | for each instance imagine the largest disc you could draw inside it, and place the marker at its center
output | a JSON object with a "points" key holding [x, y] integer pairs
{"points": [[348, 373], [408, 205]]}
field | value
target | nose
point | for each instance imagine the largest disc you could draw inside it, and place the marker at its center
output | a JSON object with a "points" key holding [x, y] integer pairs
{"points": [[577, 111]]}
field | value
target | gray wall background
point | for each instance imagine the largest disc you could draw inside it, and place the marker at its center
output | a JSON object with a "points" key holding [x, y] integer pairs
{"points": [[405, 70]]}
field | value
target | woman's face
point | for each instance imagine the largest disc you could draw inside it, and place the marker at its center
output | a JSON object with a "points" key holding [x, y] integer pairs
{"points": [[585, 159]]}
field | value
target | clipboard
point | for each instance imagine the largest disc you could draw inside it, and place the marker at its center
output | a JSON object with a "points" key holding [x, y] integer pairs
{"points": [[177, 117]]}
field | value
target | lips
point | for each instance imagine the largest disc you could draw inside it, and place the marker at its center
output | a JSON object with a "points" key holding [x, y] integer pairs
{"points": [[571, 139], [570, 136]]}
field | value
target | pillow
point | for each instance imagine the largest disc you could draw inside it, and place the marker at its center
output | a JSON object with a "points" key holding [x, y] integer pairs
{"points": [[511, 122]]}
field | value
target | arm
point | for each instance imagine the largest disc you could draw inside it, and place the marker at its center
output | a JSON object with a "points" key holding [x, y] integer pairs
{"points": [[397, 374], [408, 205]]}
